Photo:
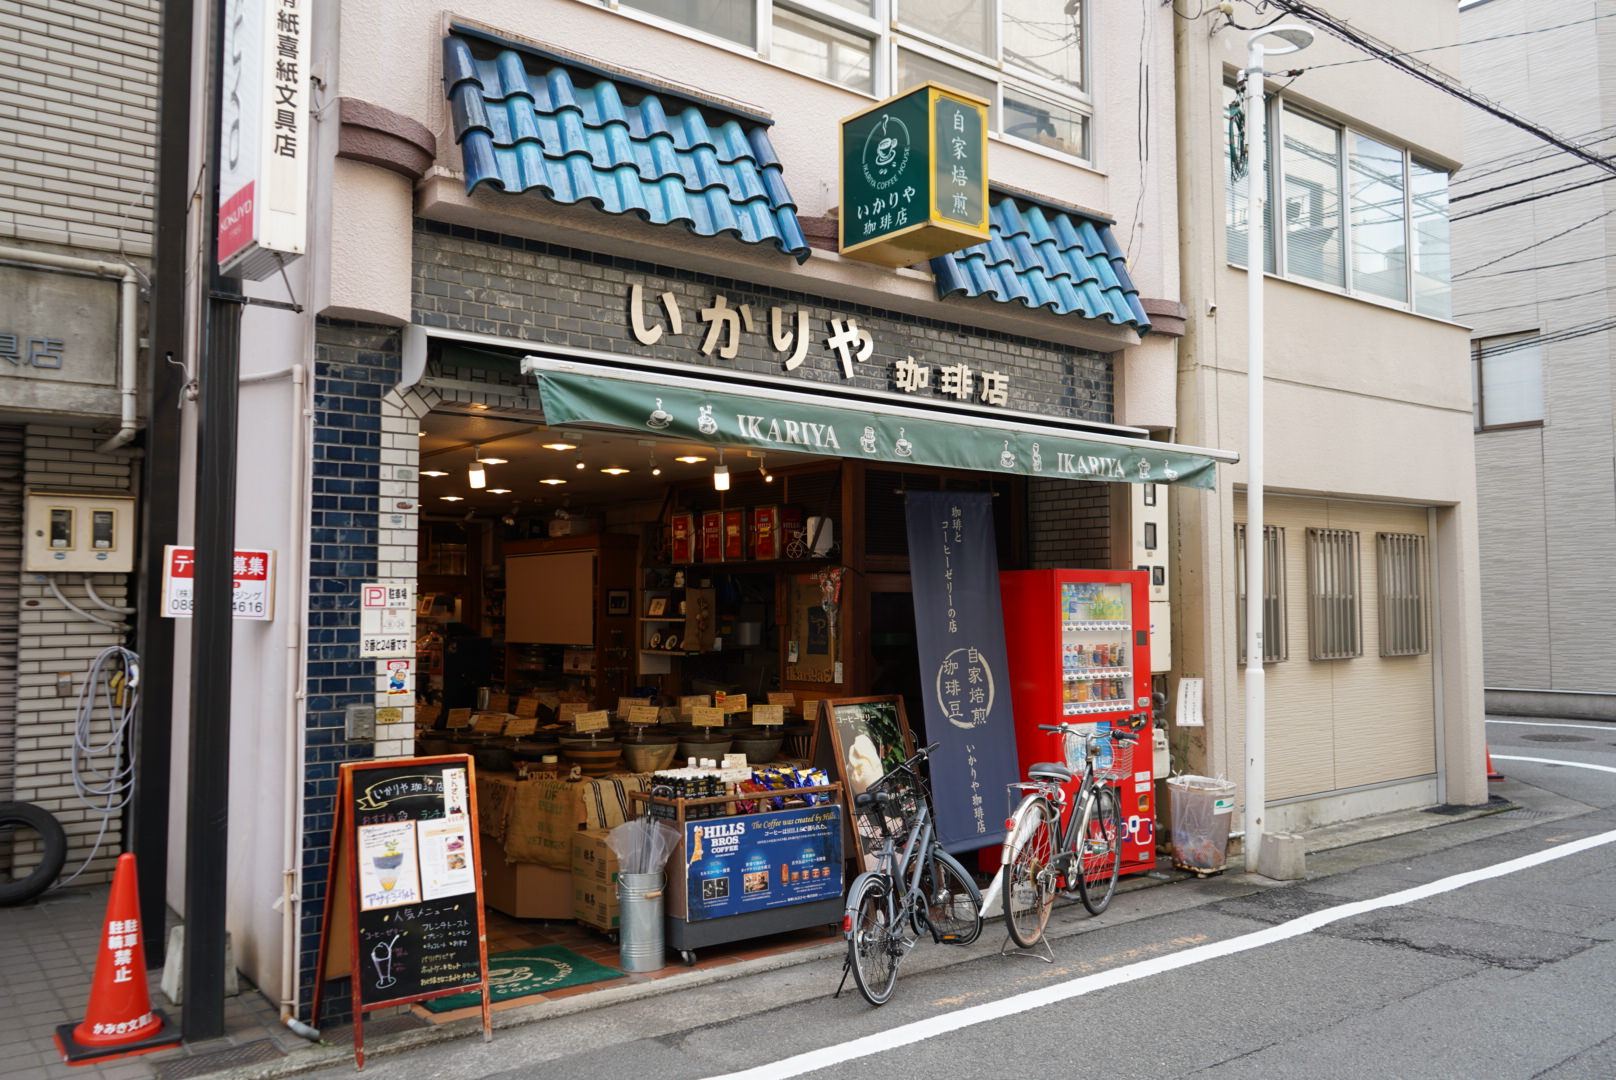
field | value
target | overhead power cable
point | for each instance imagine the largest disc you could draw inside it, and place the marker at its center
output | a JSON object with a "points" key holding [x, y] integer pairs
{"points": [[1535, 244], [1432, 77]]}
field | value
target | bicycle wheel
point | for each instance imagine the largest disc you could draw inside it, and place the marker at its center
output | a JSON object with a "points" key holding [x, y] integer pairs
{"points": [[1029, 882], [1099, 847], [873, 946], [953, 904]]}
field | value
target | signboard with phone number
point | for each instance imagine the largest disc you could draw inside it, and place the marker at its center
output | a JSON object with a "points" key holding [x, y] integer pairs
{"points": [[252, 593]]}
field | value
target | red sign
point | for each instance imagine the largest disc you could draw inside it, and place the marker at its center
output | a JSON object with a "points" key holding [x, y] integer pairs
{"points": [[252, 574]]}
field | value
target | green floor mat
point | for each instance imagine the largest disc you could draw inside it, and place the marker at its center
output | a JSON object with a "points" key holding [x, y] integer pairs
{"points": [[529, 971]]}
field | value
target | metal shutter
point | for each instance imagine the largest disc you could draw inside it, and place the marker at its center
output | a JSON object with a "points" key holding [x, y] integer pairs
{"points": [[10, 599]]}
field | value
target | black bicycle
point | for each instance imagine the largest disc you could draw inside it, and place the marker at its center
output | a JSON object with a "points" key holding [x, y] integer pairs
{"points": [[916, 887]]}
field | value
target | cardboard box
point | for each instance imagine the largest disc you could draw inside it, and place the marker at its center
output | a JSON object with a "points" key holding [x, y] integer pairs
{"points": [[524, 890], [596, 904], [542, 816], [593, 859]]}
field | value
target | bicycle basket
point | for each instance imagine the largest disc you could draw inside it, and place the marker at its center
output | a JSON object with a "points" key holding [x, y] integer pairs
{"points": [[875, 824], [1115, 761]]}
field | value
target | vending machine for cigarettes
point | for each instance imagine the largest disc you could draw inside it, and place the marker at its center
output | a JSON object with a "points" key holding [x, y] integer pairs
{"points": [[1079, 644]]}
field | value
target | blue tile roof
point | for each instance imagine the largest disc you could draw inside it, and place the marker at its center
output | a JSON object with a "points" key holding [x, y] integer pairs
{"points": [[1045, 257], [525, 122]]}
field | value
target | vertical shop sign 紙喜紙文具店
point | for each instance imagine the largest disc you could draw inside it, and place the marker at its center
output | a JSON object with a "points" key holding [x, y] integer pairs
{"points": [[964, 670]]}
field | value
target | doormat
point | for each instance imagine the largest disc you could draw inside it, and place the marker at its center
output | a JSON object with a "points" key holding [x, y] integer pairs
{"points": [[529, 971]]}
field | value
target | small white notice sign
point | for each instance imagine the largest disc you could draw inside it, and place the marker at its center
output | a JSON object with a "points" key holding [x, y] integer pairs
{"points": [[1189, 703]]}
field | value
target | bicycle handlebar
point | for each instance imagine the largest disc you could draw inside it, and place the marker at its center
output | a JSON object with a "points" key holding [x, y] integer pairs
{"points": [[907, 766], [1071, 729]]}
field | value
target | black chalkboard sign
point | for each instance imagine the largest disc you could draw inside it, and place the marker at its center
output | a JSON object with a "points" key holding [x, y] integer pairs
{"points": [[404, 914]]}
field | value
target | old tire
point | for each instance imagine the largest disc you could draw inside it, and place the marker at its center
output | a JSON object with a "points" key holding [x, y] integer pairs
{"points": [[15, 817]]}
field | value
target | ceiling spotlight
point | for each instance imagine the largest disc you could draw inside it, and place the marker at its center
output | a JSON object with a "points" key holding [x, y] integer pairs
{"points": [[451, 498], [560, 446], [553, 481], [768, 477], [499, 491], [490, 460], [580, 463], [614, 470], [691, 459], [720, 473], [433, 472], [479, 406], [421, 433]]}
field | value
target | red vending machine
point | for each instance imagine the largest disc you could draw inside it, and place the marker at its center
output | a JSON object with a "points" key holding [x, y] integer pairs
{"points": [[1079, 644]]}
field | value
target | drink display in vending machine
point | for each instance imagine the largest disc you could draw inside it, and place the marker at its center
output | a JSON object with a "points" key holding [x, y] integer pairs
{"points": [[1079, 644]]}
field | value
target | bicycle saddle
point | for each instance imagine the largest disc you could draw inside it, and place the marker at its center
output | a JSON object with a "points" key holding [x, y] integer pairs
{"points": [[1048, 770]]}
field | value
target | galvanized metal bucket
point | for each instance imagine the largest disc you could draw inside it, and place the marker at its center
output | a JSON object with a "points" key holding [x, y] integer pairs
{"points": [[640, 932]]}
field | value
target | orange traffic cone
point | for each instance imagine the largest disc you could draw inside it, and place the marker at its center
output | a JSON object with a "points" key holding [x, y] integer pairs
{"points": [[1492, 773], [120, 1020]]}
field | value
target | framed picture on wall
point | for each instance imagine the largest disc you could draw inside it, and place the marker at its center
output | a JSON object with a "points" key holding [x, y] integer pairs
{"points": [[617, 601]]}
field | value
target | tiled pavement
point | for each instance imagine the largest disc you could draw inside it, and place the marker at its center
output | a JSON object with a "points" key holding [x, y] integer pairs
{"points": [[47, 961]]}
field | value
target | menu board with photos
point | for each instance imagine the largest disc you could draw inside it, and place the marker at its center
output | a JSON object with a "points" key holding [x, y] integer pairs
{"points": [[404, 914]]}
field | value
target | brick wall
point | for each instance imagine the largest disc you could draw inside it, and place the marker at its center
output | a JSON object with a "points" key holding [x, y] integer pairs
{"points": [[482, 282], [357, 367], [53, 640], [78, 121], [1068, 524]]}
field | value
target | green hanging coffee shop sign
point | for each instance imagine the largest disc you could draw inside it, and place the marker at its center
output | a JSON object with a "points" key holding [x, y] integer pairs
{"points": [[915, 177], [803, 425]]}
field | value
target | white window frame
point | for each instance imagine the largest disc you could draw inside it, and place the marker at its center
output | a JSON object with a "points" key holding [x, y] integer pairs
{"points": [[1275, 235], [887, 36]]}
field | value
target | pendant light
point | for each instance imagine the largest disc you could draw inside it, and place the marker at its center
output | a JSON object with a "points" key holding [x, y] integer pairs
{"points": [[720, 473], [475, 475]]}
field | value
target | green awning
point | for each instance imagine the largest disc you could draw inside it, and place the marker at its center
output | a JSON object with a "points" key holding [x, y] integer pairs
{"points": [[777, 419]]}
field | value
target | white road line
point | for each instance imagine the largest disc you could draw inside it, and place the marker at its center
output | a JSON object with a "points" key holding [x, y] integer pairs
{"points": [[1552, 761], [1606, 728], [932, 1027]]}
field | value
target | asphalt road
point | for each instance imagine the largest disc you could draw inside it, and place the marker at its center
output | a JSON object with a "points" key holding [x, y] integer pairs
{"points": [[1473, 949]]}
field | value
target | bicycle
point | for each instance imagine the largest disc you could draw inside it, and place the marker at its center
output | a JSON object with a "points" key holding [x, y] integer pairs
{"points": [[915, 888], [1038, 854]]}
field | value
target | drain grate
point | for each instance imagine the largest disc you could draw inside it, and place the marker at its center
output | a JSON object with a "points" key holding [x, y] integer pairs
{"points": [[1557, 738], [1521, 814], [217, 1061]]}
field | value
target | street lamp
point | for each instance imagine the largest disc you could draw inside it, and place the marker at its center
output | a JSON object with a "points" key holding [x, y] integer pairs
{"points": [[1286, 39]]}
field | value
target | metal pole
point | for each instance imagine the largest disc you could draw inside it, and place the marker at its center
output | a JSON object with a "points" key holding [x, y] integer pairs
{"points": [[1294, 38], [208, 812], [149, 812], [1256, 251]]}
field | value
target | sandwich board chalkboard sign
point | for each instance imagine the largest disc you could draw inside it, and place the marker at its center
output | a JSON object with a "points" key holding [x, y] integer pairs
{"points": [[404, 911]]}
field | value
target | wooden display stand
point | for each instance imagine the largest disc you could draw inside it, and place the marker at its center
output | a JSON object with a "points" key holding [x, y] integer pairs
{"points": [[686, 934]]}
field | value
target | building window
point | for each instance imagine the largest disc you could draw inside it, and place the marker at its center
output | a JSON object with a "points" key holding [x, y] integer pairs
{"points": [[1359, 214], [720, 18], [1027, 58], [1506, 380], [1334, 615], [1404, 594], [1276, 647]]}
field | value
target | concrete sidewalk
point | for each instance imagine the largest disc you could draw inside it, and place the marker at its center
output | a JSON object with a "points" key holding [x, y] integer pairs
{"points": [[48, 949]]}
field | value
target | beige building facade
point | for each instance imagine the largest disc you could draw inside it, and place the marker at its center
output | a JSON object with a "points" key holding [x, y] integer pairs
{"points": [[1370, 483]]}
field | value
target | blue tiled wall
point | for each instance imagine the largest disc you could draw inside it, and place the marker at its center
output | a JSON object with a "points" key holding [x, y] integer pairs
{"points": [[356, 366]]}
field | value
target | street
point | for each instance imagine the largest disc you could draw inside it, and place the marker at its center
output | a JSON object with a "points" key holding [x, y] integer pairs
{"points": [[1474, 949]]}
